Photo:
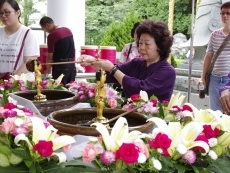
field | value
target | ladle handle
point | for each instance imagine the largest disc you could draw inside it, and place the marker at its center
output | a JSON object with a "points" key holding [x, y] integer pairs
{"points": [[125, 113], [67, 62], [58, 63]]}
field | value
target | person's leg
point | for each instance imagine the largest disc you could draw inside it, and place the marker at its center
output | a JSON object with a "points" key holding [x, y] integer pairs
{"points": [[215, 84], [72, 74], [56, 72]]}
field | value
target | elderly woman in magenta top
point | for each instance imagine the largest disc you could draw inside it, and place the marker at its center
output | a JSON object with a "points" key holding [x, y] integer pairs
{"points": [[151, 73]]}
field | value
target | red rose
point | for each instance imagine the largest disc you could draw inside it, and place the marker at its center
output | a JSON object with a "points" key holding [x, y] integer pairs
{"points": [[44, 148], [161, 141], [186, 108], [129, 153], [209, 132], [10, 106], [201, 138], [177, 108], [135, 97]]}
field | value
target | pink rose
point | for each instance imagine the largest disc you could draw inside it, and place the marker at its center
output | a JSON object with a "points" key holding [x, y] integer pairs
{"points": [[165, 102], [10, 113], [8, 125], [90, 152], [154, 102], [21, 130], [135, 97], [91, 94], [129, 153], [127, 107], [81, 98], [27, 111], [112, 103], [67, 147], [44, 82], [44, 148], [23, 88], [142, 148], [161, 141]]}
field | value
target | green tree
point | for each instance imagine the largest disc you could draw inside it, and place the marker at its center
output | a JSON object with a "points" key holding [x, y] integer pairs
{"points": [[119, 34], [28, 7], [101, 13]]}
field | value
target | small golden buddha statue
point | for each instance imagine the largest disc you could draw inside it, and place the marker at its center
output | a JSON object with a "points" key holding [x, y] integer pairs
{"points": [[38, 79], [100, 96]]}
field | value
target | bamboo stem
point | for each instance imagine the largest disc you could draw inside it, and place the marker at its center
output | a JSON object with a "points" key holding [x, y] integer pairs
{"points": [[125, 113]]}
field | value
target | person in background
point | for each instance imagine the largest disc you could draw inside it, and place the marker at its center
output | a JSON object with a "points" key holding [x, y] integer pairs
{"points": [[219, 76], [224, 99], [11, 37], [130, 50], [151, 72], [61, 48]]}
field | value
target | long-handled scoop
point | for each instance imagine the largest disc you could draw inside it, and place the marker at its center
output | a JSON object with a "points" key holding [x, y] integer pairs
{"points": [[125, 113]]}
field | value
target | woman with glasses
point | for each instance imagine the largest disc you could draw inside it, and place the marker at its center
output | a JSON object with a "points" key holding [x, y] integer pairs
{"points": [[151, 72], [11, 38], [219, 75]]}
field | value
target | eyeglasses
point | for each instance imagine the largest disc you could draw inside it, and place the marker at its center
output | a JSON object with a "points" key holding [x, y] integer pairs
{"points": [[6, 13], [223, 13]]}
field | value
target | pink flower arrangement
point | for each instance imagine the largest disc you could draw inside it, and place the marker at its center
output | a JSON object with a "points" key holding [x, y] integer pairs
{"points": [[28, 140], [86, 91]]}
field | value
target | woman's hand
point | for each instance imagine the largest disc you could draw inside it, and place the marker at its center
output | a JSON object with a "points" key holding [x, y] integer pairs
{"points": [[103, 64], [86, 60], [225, 101]]}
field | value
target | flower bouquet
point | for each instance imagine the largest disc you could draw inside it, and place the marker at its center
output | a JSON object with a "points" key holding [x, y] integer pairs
{"points": [[195, 141], [85, 92], [26, 82], [28, 143]]}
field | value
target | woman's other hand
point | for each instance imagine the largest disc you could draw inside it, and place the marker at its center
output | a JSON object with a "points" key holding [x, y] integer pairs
{"points": [[225, 101], [86, 60]]}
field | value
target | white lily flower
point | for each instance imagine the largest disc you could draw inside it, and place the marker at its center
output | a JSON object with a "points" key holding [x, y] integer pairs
{"points": [[144, 96], [119, 134], [176, 100], [40, 132], [58, 80], [179, 135], [207, 116]]}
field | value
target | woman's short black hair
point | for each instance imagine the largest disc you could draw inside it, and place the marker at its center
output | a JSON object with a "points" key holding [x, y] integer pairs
{"points": [[161, 34], [134, 28]]}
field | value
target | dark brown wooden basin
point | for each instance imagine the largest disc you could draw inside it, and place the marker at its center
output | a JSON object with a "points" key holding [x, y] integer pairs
{"points": [[56, 100], [66, 121]]}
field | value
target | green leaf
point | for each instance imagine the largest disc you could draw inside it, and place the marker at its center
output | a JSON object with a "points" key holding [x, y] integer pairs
{"points": [[180, 168], [5, 150], [24, 154], [78, 162], [121, 171], [12, 169]]}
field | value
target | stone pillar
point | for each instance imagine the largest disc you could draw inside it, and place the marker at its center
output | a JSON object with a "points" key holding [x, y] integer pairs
{"points": [[71, 14]]}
